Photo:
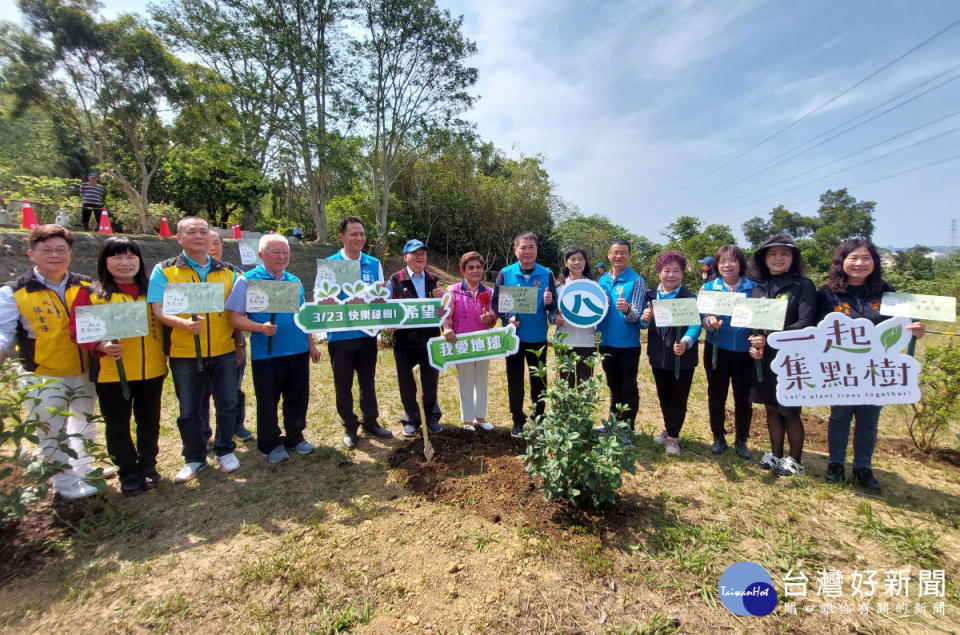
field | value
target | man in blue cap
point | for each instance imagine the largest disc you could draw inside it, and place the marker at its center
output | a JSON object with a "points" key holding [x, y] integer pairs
{"points": [[410, 345], [706, 269]]}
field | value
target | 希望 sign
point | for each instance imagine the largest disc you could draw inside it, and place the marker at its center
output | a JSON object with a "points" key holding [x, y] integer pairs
{"points": [[845, 361]]}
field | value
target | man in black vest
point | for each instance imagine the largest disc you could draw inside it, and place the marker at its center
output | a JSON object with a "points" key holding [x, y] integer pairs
{"points": [[410, 345]]}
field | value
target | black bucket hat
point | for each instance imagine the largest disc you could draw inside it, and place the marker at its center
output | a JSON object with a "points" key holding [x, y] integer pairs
{"points": [[780, 240]]}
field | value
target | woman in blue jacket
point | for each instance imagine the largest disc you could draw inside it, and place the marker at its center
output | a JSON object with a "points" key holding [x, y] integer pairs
{"points": [[733, 362]]}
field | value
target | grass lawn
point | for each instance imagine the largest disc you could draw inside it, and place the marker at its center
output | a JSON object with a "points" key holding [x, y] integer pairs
{"points": [[336, 542]]}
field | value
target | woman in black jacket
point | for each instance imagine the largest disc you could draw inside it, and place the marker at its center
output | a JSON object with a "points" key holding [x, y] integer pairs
{"points": [[855, 287], [777, 267]]}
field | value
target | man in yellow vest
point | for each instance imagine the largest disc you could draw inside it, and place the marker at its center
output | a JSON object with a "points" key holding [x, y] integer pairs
{"points": [[34, 313], [217, 349]]}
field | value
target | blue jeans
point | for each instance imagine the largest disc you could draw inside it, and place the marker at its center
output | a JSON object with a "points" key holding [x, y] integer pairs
{"points": [[864, 433], [221, 373]]}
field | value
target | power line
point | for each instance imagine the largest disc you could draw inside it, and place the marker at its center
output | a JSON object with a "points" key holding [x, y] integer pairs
{"points": [[769, 167], [847, 169], [818, 108], [855, 153]]}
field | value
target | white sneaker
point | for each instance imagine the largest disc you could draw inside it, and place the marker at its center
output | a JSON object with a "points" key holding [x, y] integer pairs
{"points": [[769, 462], [485, 425], [672, 445], [77, 490], [789, 467], [228, 462], [661, 439], [189, 472]]}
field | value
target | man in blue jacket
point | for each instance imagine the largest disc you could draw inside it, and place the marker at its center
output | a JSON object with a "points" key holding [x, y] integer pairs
{"points": [[531, 327], [620, 329]]}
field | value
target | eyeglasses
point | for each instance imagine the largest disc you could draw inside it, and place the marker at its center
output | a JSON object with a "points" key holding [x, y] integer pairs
{"points": [[60, 251]]}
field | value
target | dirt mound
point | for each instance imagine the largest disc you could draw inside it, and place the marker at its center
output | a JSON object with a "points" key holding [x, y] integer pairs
{"points": [[480, 472], [26, 541]]}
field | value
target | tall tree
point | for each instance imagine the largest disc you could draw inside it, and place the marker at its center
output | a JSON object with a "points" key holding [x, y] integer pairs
{"points": [[224, 35], [112, 82], [413, 79], [848, 216]]}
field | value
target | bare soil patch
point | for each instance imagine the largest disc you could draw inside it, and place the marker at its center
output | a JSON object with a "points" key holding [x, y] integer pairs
{"points": [[26, 542], [481, 472]]}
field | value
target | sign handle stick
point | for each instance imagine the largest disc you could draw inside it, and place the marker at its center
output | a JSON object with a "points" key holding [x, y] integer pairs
{"points": [[716, 351], [757, 363], [427, 446], [273, 320], [124, 386], [676, 358], [196, 344], [912, 346]]}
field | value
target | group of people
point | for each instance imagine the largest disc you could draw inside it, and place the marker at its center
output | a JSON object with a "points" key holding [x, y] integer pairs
{"points": [[205, 354]]}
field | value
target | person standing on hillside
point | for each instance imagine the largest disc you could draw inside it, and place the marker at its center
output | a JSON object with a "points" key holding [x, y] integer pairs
{"points": [[410, 345], [34, 313], [355, 351], [92, 199], [531, 327], [217, 349]]}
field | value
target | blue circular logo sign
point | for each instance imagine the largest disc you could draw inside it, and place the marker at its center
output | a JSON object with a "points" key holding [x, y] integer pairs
{"points": [[747, 589], [583, 303]]}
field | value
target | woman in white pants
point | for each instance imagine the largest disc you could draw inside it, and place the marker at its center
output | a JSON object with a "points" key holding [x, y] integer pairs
{"points": [[470, 312]]}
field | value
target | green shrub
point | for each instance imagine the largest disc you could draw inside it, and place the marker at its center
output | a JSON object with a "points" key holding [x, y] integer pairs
{"points": [[940, 395], [574, 461], [24, 472]]}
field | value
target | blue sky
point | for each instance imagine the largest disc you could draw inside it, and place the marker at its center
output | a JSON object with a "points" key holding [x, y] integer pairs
{"points": [[632, 104]]}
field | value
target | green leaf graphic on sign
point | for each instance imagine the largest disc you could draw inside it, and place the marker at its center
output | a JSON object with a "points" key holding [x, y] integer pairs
{"points": [[891, 336]]}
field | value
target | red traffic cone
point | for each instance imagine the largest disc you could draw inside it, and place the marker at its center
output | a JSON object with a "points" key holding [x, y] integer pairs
{"points": [[29, 220], [164, 228], [236, 231], [105, 227]]}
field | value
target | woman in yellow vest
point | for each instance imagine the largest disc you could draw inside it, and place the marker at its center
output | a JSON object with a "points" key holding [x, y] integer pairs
{"points": [[121, 277]]}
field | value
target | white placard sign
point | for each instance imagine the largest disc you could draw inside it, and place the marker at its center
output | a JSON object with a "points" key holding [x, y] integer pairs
{"points": [[767, 314], [845, 361], [718, 302], [938, 308], [676, 312]]}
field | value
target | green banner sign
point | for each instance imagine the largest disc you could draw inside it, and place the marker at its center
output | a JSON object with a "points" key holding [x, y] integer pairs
{"points": [[472, 347], [373, 316]]}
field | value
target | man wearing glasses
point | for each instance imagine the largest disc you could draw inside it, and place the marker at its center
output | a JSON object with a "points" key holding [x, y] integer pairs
{"points": [[34, 314]]}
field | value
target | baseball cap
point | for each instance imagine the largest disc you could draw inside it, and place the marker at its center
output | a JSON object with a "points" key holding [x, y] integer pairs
{"points": [[706, 261], [413, 245]]}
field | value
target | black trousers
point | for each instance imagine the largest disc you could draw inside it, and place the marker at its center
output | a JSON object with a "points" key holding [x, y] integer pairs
{"points": [[673, 393], [406, 359], [287, 376], [358, 355], [527, 352], [87, 212], [736, 368], [583, 372], [132, 459], [620, 366]]}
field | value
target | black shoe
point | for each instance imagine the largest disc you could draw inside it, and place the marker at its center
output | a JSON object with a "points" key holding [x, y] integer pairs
{"points": [[719, 445], [834, 473], [742, 450], [434, 428], [243, 434], [377, 430], [133, 486], [864, 479], [152, 478], [517, 432]]}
